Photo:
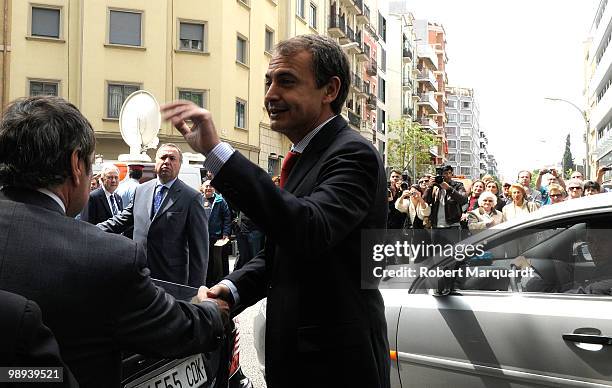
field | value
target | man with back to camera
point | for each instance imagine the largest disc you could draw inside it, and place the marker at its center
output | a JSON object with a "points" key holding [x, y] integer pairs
{"points": [[104, 202], [93, 288], [127, 187], [322, 328], [169, 221]]}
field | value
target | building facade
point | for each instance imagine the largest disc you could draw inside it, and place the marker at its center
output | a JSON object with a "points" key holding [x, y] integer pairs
{"points": [[463, 132], [598, 77]]}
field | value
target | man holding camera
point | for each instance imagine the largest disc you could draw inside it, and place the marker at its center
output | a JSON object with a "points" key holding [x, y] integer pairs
{"points": [[396, 218], [553, 178], [445, 196]]}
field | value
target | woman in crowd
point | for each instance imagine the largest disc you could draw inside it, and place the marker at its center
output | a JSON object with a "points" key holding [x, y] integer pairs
{"points": [[486, 215], [591, 188], [477, 188], [411, 202], [556, 194], [519, 204], [493, 187]]}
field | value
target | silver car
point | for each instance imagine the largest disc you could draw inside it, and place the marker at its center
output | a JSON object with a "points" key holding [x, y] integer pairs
{"points": [[552, 328], [544, 330]]}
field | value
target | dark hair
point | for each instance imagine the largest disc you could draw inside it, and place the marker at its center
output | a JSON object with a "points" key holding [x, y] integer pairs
{"points": [[527, 171], [328, 60], [448, 167], [172, 145], [592, 185], [37, 138], [136, 174]]}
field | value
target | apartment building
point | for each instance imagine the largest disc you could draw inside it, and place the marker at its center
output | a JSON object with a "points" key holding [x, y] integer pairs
{"points": [[215, 53], [463, 132], [598, 77]]}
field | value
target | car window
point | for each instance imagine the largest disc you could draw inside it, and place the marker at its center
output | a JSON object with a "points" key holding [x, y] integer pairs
{"points": [[572, 257]]}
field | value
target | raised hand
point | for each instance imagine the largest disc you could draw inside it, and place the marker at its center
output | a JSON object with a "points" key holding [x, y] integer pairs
{"points": [[202, 135]]}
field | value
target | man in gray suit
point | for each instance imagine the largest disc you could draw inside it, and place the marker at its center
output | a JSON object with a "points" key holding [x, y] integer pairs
{"points": [[169, 220], [93, 288]]}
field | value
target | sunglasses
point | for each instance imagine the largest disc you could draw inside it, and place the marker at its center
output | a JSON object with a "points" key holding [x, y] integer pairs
{"points": [[556, 195], [574, 188], [420, 182], [487, 200]]}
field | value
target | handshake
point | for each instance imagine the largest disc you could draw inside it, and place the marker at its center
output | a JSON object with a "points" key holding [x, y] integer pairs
{"points": [[219, 294]]}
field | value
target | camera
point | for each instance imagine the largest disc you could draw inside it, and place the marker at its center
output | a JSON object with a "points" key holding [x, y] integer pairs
{"points": [[607, 168], [439, 178], [544, 171], [404, 186]]}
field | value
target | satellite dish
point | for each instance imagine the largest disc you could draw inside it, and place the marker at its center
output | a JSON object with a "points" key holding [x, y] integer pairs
{"points": [[139, 122]]}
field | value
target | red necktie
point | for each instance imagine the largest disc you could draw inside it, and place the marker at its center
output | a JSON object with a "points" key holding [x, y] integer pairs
{"points": [[288, 164]]}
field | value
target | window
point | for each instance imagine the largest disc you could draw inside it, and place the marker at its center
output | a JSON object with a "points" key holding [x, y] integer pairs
{"points": [[383, 59], [191, 36], [45, 22], [382, 27], [452, 143], [466, 132], [381, 89], [117, 94], [451, 131], [198, 97], [299, 8], [451, 104], [467, 171], [125, 28], [466, 118], [381, 121], [466, 104], [452, 157], [240, 114], [241, 50], [269, 40], [465, 145], [466, 158], [312, 16], [44, 88], [452, 117]]}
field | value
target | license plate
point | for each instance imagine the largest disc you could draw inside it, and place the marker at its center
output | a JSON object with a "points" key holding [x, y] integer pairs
{"points": [[189, 373]]}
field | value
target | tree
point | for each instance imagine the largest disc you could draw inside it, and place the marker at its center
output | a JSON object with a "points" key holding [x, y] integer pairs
{"points": [[407, 141], [568, 159]]}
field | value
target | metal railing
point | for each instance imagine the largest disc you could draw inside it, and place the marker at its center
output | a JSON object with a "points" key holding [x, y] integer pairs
{"points": [[357, 83], [350, 33], [372, 67], [336, 21], [354, 119]]}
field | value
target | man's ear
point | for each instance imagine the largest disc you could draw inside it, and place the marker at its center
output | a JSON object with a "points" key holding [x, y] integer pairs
{"points": [[77, 166], [332, 90]]}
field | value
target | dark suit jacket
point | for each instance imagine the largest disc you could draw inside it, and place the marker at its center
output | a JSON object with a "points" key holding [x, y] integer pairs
{"points": [[176, 240], [94, 290], [323, 329], [98, 209], [26, 341]]}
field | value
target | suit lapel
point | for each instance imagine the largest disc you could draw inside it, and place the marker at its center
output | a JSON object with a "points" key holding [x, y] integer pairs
{"points": [[313, 151], [145, 191], [105, 204]]}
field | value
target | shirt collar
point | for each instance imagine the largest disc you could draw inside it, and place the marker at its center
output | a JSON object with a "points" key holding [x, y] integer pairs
{"points": [[106, 192], [167, 184], [302, 144], [53, 197]]}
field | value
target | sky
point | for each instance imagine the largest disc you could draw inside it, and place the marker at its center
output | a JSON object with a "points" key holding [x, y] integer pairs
{"points": [[514, 54]]}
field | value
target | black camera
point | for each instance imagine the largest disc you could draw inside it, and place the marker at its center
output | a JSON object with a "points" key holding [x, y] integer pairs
{"points": [[404, 186], [439, 178]]}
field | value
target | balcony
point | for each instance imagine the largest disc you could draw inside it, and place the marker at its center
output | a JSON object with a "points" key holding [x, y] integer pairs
{"points": [[362, 55], [407, 82], [372, 67], [356, 46], [425, 52], [427, 77], [349, 36], [354, 119], [337, 26], [371, 102], [353, 6], [427, 122], [407, 53], [357, 83], [428, 100], [407, 111], [364, 16]]}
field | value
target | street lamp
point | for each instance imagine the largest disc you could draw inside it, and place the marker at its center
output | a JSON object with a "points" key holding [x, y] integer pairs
{"points": [[586, 132]]}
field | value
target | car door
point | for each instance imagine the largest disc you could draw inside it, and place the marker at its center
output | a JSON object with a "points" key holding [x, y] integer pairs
{"points": [[533, 332]]}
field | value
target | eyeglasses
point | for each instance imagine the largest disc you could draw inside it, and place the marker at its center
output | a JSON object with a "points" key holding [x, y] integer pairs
{"points": [[574, 188], [487, 200], [556, 195], [422, 182]]}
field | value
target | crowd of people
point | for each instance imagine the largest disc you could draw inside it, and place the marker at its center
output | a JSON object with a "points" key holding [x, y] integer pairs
{"points": [[441, 202]]}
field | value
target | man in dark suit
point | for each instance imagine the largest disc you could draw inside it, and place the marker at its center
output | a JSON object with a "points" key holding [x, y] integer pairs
{"points": [[169, 221], [323, 329], [26, 341], [104, 202], [93, 288]]}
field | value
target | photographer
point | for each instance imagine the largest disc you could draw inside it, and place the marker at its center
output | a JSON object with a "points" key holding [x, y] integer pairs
{"points": [[416, 209], [395, 219], [553, 178], [446, 197]]}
